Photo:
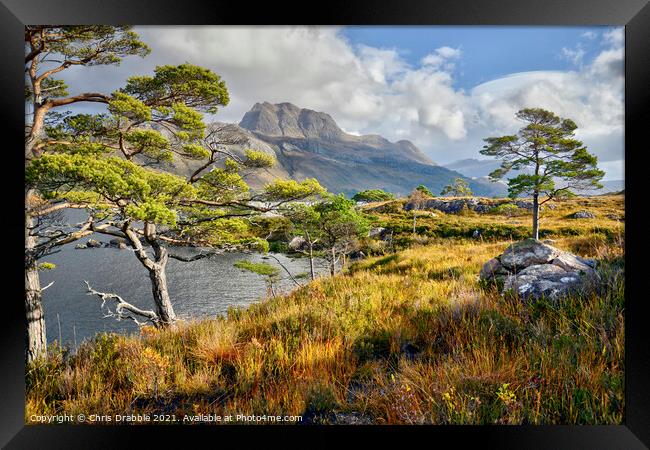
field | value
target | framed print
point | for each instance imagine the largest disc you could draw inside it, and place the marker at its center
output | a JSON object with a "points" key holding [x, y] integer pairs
{"points": [[377, 219]]}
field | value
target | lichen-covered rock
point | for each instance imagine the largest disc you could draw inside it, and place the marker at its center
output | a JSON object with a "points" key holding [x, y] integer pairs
{"points": [[492, 269], [583, 215], [534, 269], [524, 204], [570, 262], [377, 232], [528, 252], [543, 280], [446, 206], [478, 205]]}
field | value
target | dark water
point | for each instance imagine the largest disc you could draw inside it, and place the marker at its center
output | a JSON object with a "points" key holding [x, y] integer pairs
{"points": [[201, 288]]}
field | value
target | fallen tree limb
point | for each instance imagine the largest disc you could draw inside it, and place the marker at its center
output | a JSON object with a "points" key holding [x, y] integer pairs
{"points": [[123, 309]]}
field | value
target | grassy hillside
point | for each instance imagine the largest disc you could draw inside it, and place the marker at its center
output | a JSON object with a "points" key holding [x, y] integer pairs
{"points": [[502, 223], [404, 338]]}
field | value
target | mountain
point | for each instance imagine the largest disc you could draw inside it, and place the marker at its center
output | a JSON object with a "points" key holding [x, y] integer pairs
{"points": [[308, 144], [287, 123]]}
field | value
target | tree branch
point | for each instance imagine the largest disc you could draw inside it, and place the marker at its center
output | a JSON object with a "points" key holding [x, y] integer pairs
{"points": [[193, 257], [286, 270], [86, 97], [123, 307]]}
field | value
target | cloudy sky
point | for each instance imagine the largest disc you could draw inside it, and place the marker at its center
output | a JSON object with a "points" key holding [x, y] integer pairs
{"points": [[444, 88]]}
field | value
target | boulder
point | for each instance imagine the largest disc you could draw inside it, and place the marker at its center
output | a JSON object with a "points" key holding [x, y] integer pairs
{"points": [[583, 215], [297, 244], [570, 262], [93, 243], [493, 269], [534, 269], [526, 253], [543, 280], [117, 243], [524, 204]]}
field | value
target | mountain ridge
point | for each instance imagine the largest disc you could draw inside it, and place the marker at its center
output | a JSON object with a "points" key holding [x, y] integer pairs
{"points": [[310, 144]]}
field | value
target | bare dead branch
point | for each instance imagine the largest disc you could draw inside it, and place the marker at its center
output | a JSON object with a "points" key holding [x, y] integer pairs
{"points": [[123, 309]]}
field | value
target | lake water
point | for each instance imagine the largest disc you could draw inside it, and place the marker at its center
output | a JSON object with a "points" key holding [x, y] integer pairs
{"points": [[203, 288]]}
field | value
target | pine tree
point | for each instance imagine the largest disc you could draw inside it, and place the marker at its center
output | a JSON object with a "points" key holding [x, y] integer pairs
{"points": [[152, 120], [546, 146], [50, 50]]}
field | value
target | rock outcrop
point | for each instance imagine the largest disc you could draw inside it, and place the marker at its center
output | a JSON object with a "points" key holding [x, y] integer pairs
{"points": [[479, 205], [532, 269], [583, 215]]}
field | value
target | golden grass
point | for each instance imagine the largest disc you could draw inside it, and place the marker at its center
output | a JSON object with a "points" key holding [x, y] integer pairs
{"points": [[554, 223], [406, 338]]}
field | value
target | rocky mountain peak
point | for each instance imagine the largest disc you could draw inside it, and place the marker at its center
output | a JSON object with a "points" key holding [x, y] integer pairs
{"points": [[288, 120]]}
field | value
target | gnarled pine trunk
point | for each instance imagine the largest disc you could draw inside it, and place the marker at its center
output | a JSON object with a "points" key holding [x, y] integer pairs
{"points": [[156, 268], [34, 318], [160, 293]]}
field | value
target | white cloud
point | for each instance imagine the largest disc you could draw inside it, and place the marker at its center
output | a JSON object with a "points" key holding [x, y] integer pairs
{"points": [[615, 37], [591, 35], [574, 56], [441, 58], [593, 96], [376, 91]]}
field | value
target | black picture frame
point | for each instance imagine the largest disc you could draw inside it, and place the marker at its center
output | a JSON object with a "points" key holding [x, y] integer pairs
{"points": [[633, 14]]}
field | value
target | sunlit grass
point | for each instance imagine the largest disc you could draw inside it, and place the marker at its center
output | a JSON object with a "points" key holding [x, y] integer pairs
{"points": [[405, 338]]}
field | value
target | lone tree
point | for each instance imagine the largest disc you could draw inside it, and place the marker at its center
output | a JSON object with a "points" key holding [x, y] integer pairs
{"points": [[306, 222], [416, 201], [547, 147], [459, 188], [49, 50], [340, 228]]}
